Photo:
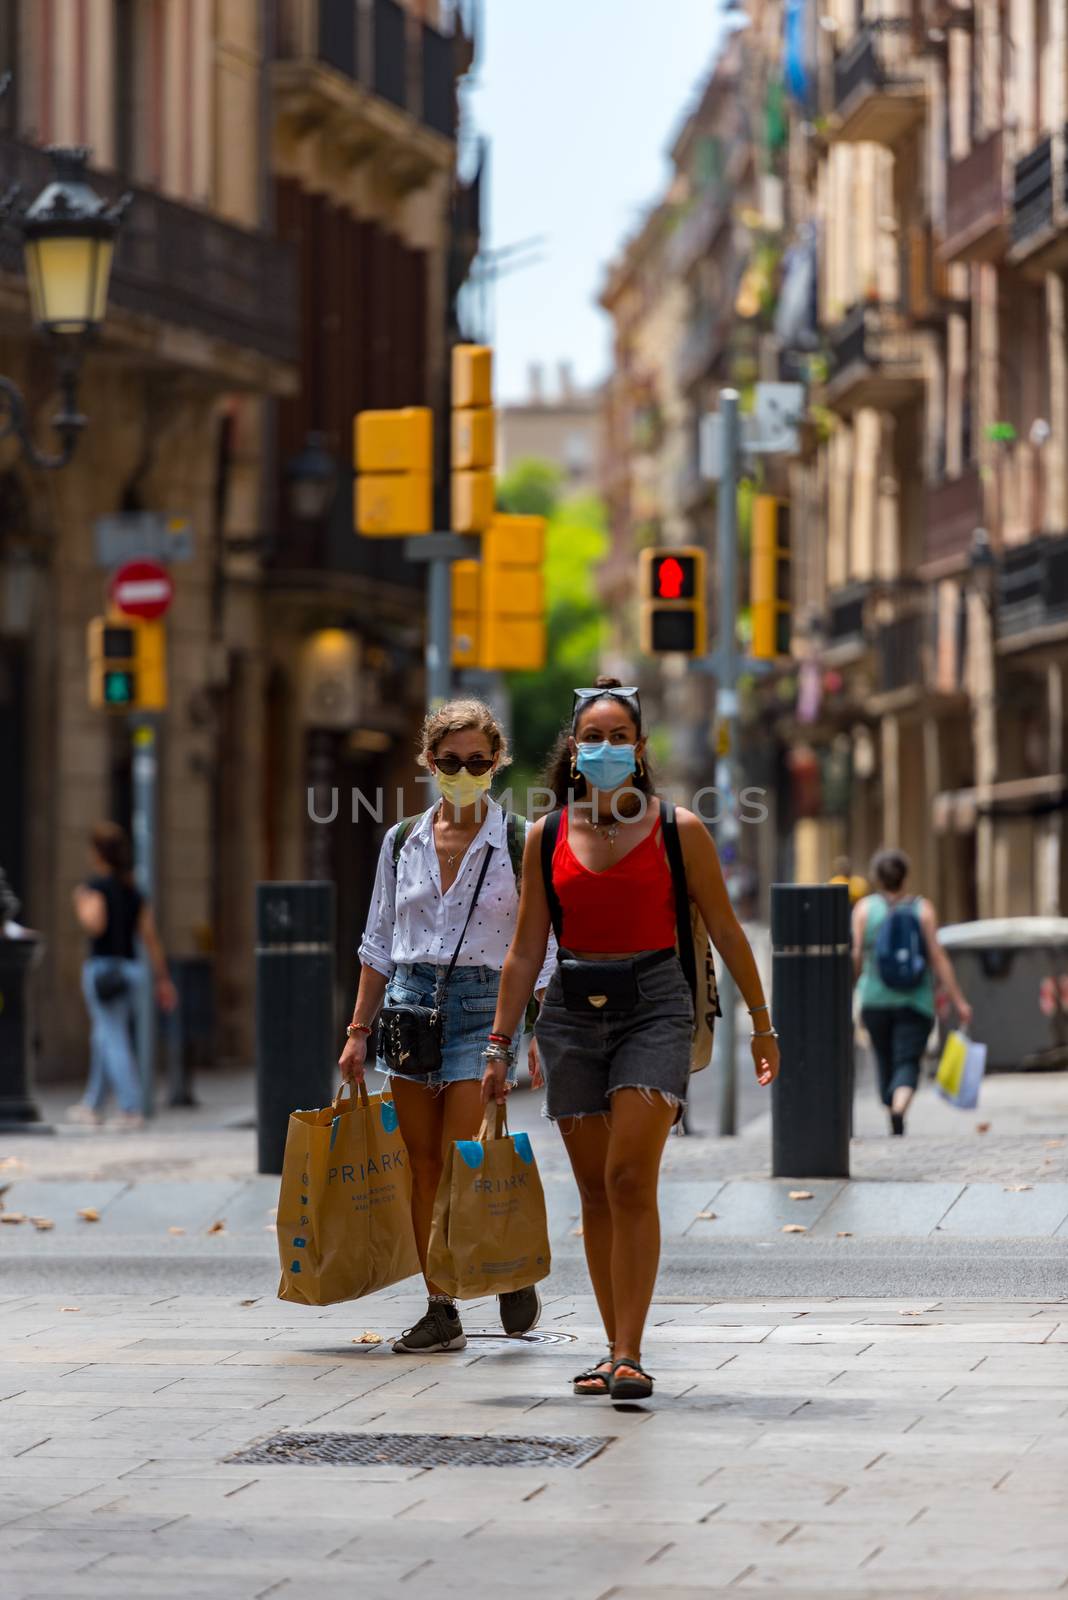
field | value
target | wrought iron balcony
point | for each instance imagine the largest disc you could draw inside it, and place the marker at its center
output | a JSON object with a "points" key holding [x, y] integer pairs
{"points": [[389, 63], [954, 511], [878, 84], [1033, 198], [845, 616], [901, 651], [702, 342], [181, 266], [977, 210], [876, 359], [1032, 589]]}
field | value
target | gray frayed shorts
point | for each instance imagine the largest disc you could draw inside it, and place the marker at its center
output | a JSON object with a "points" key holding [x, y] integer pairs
{"points": [[587, 1058]]}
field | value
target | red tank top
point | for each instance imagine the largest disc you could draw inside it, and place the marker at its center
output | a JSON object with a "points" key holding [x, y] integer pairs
{"points": [[628, 906]]}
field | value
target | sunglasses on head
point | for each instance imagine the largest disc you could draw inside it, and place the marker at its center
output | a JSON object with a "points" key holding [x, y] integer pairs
{"points": [[477, 766], [626, 697]]}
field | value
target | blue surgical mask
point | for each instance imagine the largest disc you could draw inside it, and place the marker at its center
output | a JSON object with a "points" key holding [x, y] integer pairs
{"points": [[605, 766]]}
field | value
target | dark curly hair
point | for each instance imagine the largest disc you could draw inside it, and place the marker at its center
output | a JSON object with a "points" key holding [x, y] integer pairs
{"points": [[557, 775]]}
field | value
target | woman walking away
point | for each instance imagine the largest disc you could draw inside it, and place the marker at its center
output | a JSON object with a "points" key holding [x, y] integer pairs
{"points": [[896, 956], [442, 914], [112, 911], [616, 1027]]}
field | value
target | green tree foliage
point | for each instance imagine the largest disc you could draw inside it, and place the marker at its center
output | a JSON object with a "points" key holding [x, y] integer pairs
{"points": [[576, 544]]}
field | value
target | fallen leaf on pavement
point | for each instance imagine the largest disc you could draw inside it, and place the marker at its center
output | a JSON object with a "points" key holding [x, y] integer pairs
{"points": [[89, 1214], [368, 1338], [175, 1230], [248, 1302], [982, 1127], [800, 1194], [42, 1224], [12, 1216], [706, 1216], [1017, 1188], [576, 1233], [70, 1308], [843, 1236], [13, 1161], [794, 1227], [218, 1227], [1051, 1144], [910, 1313]]}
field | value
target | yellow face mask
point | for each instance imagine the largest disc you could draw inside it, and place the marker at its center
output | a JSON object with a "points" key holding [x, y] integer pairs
{"points": [[462, 788]]}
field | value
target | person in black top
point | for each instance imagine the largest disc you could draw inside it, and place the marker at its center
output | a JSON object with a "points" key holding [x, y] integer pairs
{"points": [[113, 912]]}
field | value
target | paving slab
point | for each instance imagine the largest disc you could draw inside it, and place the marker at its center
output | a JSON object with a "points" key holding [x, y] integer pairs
{"points": [[755, 1210], [887, 1210], [991, 1210]]}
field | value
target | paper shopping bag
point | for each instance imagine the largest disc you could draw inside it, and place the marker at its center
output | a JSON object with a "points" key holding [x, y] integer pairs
{"points": [[960, 1071], [489, 1232], [344, 1210]]}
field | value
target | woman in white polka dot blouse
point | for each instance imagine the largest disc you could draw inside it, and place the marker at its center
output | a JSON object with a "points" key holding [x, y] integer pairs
{"points": [[428, 872]]}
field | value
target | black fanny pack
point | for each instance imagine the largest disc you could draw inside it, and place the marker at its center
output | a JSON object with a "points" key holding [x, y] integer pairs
{"points": [[610, 986], [410, 1036], [110, 982]]}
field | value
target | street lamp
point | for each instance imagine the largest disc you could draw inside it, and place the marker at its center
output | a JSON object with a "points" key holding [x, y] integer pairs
{"points": [[311, 476], [68, 238], [983, 565]]}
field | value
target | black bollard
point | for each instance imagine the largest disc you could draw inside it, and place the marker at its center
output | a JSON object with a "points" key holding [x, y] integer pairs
{"points": [[18, 1109], [296, 1037], [812, 984]]}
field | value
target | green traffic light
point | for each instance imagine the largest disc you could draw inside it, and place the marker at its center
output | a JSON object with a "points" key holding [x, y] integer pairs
{"points": [[119, 688]]}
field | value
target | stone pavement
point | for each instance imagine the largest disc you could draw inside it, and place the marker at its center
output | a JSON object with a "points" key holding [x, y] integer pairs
{"points": [[827, 1448]]}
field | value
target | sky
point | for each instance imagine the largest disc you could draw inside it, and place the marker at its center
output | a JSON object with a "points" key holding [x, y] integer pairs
{"points": [[581, 100]]}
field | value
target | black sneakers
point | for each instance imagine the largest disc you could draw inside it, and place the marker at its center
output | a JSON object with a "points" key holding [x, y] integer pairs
{"points": [[897, 1123], [520, 1310], [439, 1330]]}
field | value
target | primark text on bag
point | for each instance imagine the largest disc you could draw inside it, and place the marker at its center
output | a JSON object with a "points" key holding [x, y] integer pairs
{"points": [[344, 1210], [489, 1233]]}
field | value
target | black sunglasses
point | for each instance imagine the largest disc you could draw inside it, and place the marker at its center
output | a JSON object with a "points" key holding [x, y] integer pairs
{"points": [[626, 697], [477, 766]]}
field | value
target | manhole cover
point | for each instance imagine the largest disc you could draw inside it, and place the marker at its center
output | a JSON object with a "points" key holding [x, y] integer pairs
{"points": [[417, 1450], [507, 1339]]}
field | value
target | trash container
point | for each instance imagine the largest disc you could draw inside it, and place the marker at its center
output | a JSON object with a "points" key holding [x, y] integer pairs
{"points": [[190, 1028], [1014, 974], [18, 957]]}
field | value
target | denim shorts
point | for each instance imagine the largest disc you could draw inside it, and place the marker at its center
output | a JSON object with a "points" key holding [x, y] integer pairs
{"points": [[587, 1058], [467, 1017]]}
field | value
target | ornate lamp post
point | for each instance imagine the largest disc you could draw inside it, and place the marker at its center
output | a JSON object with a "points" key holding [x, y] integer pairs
{"points": [[68, 236]]}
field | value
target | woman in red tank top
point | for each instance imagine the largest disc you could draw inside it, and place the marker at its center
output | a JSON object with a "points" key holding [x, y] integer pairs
{"points": [[615, 1029]]}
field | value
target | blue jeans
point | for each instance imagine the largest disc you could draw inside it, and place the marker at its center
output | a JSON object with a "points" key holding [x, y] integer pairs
{"points": [[111, 1058], [468, 1012]]}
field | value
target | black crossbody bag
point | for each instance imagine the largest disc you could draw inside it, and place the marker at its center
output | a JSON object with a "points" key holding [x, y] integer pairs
{"points": [[410, 1036]]}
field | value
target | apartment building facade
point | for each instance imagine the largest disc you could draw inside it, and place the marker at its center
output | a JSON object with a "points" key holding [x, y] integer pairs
{"points": [[292, 253]]}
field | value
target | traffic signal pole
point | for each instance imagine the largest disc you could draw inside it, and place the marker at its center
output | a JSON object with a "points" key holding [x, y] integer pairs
{"points": [[439, 551], [144, 733], [727, 718]]}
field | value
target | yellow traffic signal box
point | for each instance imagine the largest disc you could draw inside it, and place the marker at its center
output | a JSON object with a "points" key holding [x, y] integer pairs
{"points": [[769, 579], [127, 664], [466, 584], [474, 488], [512, 595], [673, 600], [394, 453]]}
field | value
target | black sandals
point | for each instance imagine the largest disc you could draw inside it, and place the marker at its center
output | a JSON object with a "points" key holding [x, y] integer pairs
{"points": [[597, 1378], [638, 1387]]}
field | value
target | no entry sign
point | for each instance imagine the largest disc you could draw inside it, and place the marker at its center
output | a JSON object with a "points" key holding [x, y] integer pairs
{"points": [[142, 589]]}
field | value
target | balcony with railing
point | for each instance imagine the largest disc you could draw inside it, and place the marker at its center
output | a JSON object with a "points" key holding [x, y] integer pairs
{"points": [[697, 230], [181, 267], [876, 359], [701, 344], [1032, 590], [977, 208], [900, 649], [1040, 206], [879, 92], [844, 628], [373, 74], [954, 511]]}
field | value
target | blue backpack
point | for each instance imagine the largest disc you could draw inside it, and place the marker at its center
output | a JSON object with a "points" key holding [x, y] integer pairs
{"points": [[900, 949]]}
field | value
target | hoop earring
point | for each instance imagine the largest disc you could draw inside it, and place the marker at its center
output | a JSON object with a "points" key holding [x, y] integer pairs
{"points": [[641, 767], [574, 769]]}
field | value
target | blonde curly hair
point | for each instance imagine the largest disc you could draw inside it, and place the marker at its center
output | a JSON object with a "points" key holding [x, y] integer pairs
{"points": [[457, 716]]}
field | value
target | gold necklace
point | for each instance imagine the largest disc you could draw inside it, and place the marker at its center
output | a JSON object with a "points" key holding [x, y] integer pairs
{"points": [[607, 830]]}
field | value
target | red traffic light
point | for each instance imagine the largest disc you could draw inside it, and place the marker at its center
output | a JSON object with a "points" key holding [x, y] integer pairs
{"points": [[674, 577]]}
